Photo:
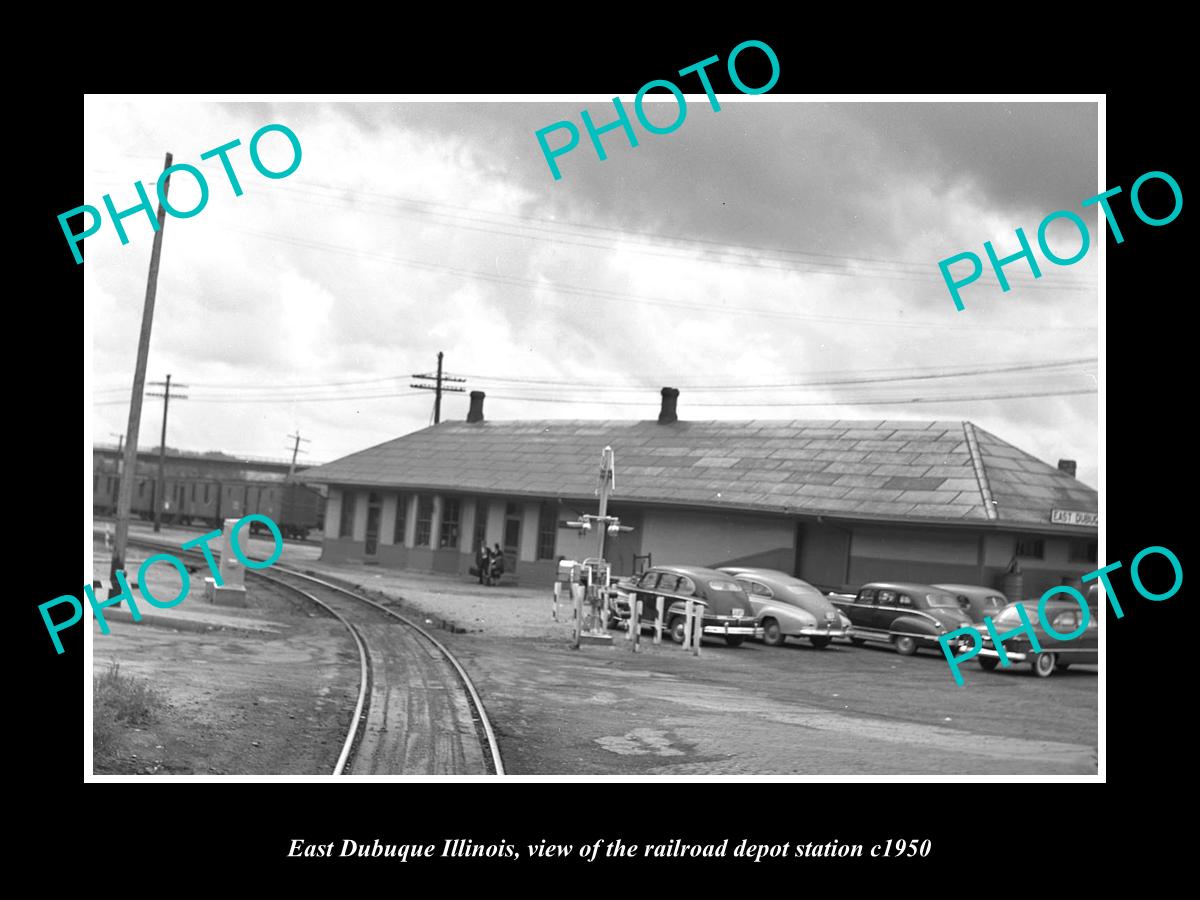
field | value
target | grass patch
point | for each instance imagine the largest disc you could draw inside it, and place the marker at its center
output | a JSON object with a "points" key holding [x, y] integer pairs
{"points": [[119, 702]]}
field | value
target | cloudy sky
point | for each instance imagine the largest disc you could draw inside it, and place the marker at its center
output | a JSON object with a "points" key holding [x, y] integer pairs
{"points": [[776, 259]]}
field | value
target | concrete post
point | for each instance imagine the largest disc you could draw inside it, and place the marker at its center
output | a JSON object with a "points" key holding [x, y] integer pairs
{"points": [[577, 593], [233, 574], [637, 624], [658, 619]]}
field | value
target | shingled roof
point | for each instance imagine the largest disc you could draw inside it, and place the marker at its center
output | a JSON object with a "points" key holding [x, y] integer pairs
{"points": [[889, 470]]}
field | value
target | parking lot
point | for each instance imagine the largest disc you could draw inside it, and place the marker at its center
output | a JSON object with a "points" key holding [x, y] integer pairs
{"points": [[605, 710], [751, 710], [781, 711]]}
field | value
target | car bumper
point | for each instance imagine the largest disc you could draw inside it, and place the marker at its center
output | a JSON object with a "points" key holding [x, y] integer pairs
{"points": [[817, 631], [1013, 655], [723, 628]]}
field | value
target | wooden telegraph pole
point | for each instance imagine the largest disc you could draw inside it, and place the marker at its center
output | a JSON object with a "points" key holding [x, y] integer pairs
{"points": [[161, 487], [439, 378], [296, 451], [125, 490]]}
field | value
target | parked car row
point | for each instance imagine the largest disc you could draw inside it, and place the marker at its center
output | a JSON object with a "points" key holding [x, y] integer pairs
{"points": [[742, 602]]}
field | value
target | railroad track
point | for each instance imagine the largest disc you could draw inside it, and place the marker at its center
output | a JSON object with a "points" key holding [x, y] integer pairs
{"points": [[417, 711]]}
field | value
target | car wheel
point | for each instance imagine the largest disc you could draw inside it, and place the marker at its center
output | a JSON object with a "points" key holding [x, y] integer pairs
{"points": [[1043, 665], [858, 642], [905, 645], [820, 641], [734, 640], [988, 663], [676, 625], [773, 635]]}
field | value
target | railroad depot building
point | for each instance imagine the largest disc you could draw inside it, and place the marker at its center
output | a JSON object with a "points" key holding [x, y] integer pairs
{"points": [[834, 502]]}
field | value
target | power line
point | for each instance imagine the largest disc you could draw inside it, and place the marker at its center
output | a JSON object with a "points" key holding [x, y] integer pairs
{"points": [[562, 288], [548, 225], [830, 402], [533, 385], [844, 266], [282, 400], [758, 252], [965, 370], [962, 373]]}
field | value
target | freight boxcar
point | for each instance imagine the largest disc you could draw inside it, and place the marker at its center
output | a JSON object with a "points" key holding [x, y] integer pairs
{"points": [[199, 491]]}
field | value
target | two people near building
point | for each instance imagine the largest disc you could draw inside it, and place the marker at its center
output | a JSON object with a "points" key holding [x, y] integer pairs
{"points": [[490, 564]]}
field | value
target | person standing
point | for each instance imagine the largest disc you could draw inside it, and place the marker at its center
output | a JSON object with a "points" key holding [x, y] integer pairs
{"points": [[497, 563], [484, 564]]}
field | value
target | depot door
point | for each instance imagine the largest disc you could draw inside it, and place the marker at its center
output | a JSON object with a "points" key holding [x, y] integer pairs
{"points": [[512, 536], [373, 508]]}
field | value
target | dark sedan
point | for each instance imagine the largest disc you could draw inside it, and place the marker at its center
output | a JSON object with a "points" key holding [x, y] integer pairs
{"points": [[976, 601], [728, 613], [1065, 616], [905, 614]]}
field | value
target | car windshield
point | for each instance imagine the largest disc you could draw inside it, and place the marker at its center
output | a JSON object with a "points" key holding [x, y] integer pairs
{"points": [[941, 601], [723, 586]]}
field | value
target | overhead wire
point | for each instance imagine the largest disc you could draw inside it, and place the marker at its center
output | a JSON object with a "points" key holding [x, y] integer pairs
{"points": [[559, 287]]}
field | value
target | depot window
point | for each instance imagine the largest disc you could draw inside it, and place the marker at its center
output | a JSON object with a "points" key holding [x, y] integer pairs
{"points": [[450, 513], [424, 520], [547, 530], [346, 526], [1031, 548], [1081, 551]]}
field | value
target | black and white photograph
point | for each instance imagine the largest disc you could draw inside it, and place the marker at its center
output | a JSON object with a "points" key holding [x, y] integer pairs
{"points": [[689, 435]]}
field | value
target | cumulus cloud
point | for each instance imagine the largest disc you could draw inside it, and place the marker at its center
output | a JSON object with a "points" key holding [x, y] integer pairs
{"points": [[775, 242]]}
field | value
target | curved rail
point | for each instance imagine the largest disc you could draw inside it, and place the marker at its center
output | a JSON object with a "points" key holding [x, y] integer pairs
{"points": [[364, 667], [356, 720], [493, 746]]}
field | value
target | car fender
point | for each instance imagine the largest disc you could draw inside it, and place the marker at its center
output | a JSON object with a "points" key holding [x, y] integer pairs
{"points": [[789, 618], [916, 623]]}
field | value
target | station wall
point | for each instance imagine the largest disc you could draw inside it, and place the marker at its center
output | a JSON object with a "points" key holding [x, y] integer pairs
{"points": [[822, 552]]}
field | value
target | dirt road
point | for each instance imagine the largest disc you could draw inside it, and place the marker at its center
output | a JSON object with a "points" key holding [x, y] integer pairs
{"points": [[753, 710]]}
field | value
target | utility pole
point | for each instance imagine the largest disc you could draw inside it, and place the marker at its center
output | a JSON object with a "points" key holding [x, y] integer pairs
{"points": [[161, 488], [295, 450], [439, 378], [125, 488], [120, 450]]}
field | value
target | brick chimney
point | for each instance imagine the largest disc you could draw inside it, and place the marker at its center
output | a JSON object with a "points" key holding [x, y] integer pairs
{"points": [[667, 415], [1068, 466], [475, 413]]}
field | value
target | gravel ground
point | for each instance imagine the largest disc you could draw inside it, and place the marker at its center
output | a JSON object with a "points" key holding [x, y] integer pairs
{"points": [[262, 691], [754, 710]]}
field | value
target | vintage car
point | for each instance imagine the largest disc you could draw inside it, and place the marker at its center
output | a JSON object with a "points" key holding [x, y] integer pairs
{"points": [[976, 601], [904, 614], [1063, 613], [728, 613], [787, 607]]}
